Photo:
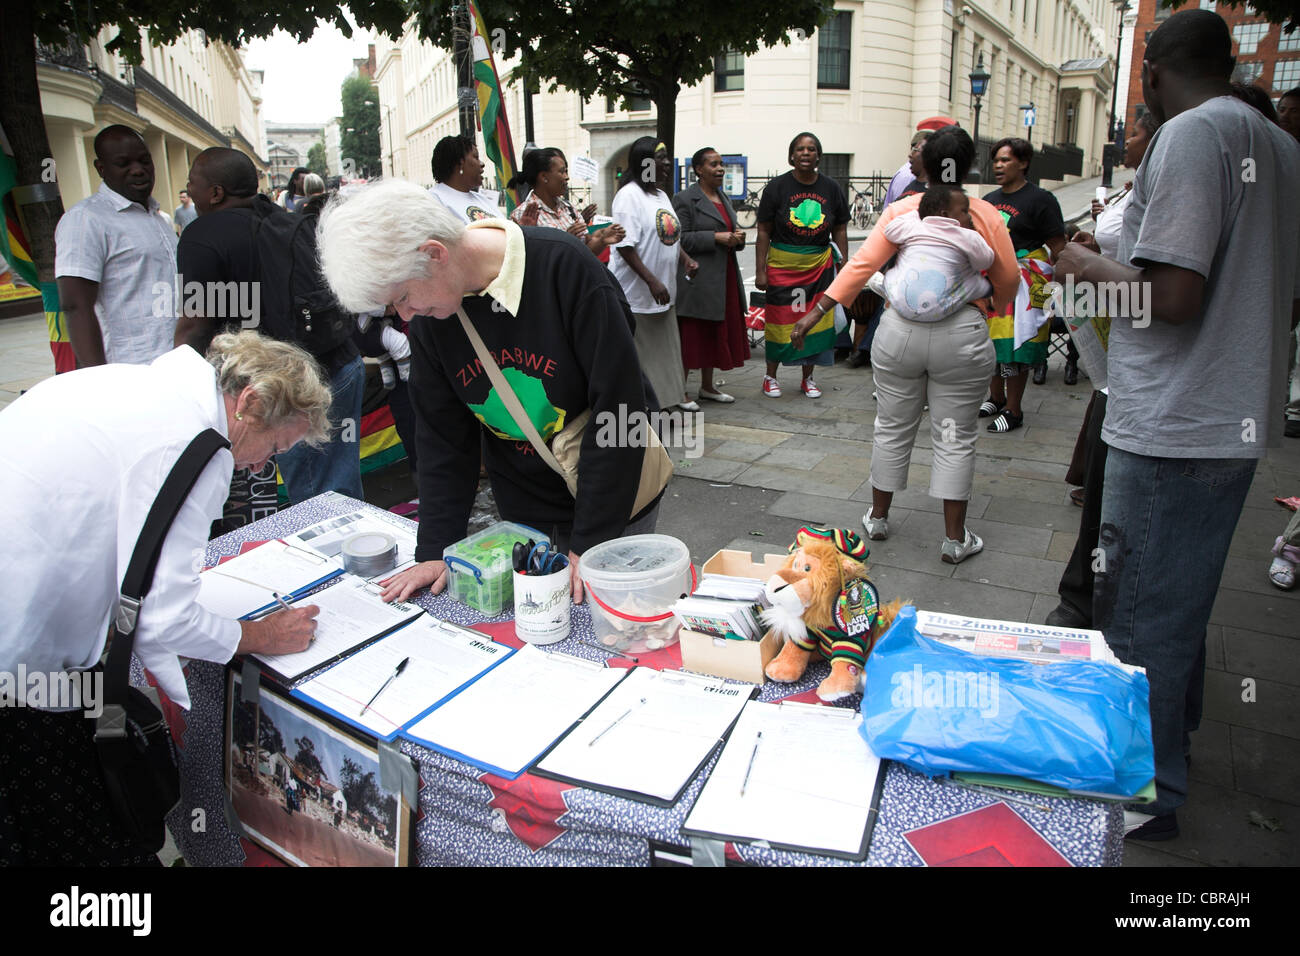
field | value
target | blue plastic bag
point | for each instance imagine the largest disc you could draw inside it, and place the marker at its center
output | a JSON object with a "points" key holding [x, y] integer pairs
{"points": [[1083, 725]]}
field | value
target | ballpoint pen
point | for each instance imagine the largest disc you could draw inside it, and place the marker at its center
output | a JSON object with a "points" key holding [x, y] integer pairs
{"points": [[744, 783], [615, 723], [398, 670]]}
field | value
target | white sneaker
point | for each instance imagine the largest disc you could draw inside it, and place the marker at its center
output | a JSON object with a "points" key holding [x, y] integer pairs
{"points": [[877, 528], [955, 552]]}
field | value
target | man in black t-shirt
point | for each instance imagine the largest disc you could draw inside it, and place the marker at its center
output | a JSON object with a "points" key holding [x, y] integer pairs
{"points": [[220, 247]]}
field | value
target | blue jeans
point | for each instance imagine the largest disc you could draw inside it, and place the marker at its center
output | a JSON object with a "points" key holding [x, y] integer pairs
{"points": [[336, 466], [1166, 524]]}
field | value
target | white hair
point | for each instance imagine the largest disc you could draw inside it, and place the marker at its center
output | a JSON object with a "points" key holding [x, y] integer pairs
{"points": [[369, 241]]}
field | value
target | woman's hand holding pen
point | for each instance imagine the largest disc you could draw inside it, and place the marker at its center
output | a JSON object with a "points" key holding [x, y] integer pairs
{"points": [[284, 632]]}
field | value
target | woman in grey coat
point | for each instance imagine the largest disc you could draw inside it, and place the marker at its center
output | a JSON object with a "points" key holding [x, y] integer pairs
{"points": [[710, 310]]}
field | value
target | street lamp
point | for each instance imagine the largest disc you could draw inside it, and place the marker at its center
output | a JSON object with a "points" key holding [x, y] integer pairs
{"points": [[979, 84], [1114, 148]]}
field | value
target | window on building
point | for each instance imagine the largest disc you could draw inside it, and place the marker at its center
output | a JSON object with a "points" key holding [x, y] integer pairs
{"points": [[729, 71], [952, 62], [833, 42], [1162, 13], [1248, 36], [836, 166], [637, 103], [1288, 44], [1248, 72], [1286, 75], [1207, 5]]}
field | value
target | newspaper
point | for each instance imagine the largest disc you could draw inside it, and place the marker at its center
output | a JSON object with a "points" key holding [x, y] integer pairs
{"points": [[1036, 643]]}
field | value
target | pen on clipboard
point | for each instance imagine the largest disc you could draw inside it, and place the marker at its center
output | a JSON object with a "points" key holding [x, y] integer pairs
{"points": [[279, 599], [744, 783], [391, 677], [614, 724]]}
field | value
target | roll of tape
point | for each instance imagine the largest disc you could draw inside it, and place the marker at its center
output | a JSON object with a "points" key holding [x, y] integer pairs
{"points": [[369, 553]]}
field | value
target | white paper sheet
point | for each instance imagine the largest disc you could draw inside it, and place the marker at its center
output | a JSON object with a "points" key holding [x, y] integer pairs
{"points": [[244, 584], [440, 658], [327, 537], [651, 734], [351, 613], [810, 784], [512, 714]]}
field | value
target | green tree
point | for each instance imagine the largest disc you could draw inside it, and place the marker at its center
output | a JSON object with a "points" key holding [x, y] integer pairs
{"points": [[629, 48], [360, 127], [55, 22], [1285, 12], [316, 159], [306, 757]]}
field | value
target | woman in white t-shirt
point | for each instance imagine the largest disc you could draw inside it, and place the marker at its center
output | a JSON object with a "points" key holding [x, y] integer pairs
{"points": [[459, 174], [645, 265]]}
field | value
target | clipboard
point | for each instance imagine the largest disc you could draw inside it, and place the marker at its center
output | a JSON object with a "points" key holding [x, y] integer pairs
{"points": [[243, 578], [275, 664], [713, 806], [416, 630], [484, 705], [610, 712]]}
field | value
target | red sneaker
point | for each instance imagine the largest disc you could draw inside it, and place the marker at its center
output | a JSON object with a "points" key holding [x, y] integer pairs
{"points": [[771, 388], [809, 388]]}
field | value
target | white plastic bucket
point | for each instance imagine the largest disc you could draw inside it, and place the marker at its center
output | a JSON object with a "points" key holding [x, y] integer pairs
{"points": [[632, 584]]}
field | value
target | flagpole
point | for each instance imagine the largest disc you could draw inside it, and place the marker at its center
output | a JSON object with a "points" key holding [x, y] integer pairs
{"points": [[467, 104]]}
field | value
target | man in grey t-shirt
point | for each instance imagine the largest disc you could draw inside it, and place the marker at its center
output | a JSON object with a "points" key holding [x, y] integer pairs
{"points": [[185, 213], [1209, 250]]}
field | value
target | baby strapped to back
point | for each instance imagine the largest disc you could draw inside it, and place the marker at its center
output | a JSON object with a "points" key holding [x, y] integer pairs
{"points": [[940, 257]]}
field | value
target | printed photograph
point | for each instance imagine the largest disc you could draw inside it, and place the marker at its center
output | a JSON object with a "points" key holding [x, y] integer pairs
{"points": [[307, 791]]}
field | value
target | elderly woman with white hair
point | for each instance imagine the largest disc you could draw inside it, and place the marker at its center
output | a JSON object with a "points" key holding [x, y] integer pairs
{"points": [[82, 459], [554, 321]]}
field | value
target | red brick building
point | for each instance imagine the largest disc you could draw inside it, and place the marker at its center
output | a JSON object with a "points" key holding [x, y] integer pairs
{"points": [[1265, 55]]}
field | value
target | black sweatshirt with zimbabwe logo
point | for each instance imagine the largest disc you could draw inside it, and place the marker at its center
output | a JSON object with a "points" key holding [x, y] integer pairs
{"points": [[570, 348]]}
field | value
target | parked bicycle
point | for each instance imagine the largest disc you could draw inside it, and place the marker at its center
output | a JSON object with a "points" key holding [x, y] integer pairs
{"points": [[863, 212], [747, 210]]}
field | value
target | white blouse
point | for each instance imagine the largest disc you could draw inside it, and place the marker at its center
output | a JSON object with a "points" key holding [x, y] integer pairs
{"points": [[82, 457]]}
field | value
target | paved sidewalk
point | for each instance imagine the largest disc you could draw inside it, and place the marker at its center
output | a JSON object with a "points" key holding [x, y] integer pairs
{"points": [[770, 465]]}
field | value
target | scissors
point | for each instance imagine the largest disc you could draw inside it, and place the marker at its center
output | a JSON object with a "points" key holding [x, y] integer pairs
{"points": [[538, 558]]}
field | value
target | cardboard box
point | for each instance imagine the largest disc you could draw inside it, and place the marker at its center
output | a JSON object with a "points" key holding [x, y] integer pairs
{"points": [[738, 660]]}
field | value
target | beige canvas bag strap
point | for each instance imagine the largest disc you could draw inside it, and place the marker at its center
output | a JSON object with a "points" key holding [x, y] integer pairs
{"points": [[512, 403]]}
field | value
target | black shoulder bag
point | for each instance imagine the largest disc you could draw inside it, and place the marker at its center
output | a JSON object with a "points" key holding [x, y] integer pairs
{"points": [[131, 735]]}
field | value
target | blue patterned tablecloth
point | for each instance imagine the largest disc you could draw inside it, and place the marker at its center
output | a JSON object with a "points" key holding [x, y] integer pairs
{"points": [[469, 817]]}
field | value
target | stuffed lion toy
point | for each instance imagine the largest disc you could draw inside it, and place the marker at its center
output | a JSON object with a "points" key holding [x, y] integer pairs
{"points": [[822, 602]]}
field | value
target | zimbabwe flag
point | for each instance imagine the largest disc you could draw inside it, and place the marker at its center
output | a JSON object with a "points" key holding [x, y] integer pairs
{"points": [[491, 113]]}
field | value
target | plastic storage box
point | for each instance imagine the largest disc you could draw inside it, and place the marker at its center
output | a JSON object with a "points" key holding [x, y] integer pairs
{"points": [[480, 568]]}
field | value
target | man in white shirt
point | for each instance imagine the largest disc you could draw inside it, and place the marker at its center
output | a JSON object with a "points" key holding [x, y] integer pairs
{"points": [[115, 260]]}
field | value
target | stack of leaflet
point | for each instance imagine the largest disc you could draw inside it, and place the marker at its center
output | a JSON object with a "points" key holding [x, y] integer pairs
{"points": [[723, 605]]}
